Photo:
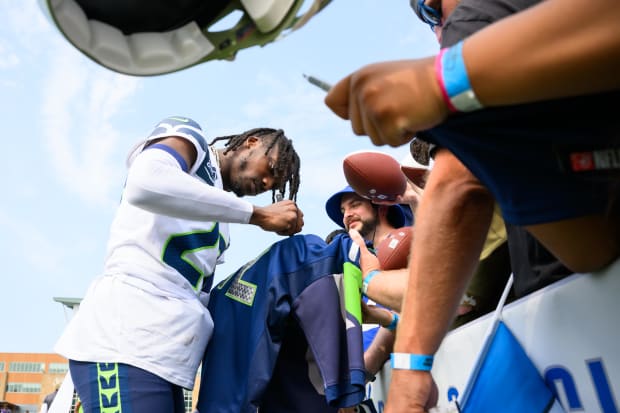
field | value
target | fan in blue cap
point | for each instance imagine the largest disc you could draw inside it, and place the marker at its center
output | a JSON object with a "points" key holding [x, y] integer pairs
{"points": [[398, 215]]}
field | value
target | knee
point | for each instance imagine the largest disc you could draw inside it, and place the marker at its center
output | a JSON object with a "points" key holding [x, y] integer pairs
{"points": [[592, 261], [584, 244]]}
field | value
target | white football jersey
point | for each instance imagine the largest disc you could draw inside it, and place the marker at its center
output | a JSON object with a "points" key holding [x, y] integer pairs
{"points": [[148, 309], [166, 251]]}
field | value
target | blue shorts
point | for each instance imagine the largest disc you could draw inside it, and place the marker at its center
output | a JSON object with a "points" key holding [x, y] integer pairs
{"points": [[518, 153], [121, 388]]}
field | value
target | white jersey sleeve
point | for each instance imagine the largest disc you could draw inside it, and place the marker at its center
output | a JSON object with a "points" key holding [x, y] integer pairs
{"points": [[157, 184]]}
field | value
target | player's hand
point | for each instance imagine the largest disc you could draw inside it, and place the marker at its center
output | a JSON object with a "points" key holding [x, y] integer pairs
{"points": [[368, 261], [283, 218], [411, 391], [390, 101]]}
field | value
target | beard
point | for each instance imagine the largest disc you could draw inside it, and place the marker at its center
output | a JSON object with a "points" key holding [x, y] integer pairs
{"points": [[367, 228]]}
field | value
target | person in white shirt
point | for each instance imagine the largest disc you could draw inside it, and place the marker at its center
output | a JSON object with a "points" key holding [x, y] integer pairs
{"points": [[143, 325]]}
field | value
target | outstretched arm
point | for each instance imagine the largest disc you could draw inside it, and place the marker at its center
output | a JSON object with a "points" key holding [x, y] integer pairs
{"points": [[562, 49], [507, 63], [379, 351], [452, 222], [157, 183], [385, 287]]}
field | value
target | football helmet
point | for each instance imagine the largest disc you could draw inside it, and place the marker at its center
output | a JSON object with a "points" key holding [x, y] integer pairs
{"points": [[152, 37]]}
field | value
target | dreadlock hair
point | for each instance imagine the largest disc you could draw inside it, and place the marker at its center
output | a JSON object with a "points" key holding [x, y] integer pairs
{"points": [[288, 162]]}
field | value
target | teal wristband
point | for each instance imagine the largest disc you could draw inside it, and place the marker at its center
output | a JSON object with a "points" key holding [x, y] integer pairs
{"points": [[454, 80], [367, 280], [408, 361], [394, 323]]}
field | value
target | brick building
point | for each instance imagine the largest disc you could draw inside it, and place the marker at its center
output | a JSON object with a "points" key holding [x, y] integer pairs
{"points": [[26, 378]]}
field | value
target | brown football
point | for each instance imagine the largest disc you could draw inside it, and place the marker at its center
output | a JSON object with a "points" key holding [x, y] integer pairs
{"points": [[393, 250], [415, 175], [374, 175]]}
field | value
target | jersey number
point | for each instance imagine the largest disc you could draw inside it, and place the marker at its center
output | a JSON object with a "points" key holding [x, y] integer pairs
{"points": [[180, 248]]}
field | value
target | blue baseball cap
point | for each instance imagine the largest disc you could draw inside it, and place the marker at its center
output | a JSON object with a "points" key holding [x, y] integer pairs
{"points": [[396, 214]]}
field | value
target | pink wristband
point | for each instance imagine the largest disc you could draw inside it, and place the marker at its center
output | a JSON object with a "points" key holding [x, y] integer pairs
{"points": [[453, 79], [442, 85]]}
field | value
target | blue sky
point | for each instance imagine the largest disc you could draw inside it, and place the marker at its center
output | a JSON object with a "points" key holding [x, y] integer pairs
{"points": [[68, 124]]}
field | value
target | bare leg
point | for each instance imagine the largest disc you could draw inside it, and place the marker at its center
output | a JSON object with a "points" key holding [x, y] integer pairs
{"points": [[583, 244]]}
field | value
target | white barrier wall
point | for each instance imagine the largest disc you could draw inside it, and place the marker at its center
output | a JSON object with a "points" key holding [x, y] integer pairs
{"points": [[569, 329]]}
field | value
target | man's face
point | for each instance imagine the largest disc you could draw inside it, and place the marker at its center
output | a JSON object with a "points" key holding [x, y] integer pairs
{"points": [[359, 214], [252, 172]]}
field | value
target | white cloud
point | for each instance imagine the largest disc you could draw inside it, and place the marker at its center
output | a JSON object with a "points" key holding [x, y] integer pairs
{"points": [[29, 244], [27, 24], [79, 102], [79, 105], [8, 58]]}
